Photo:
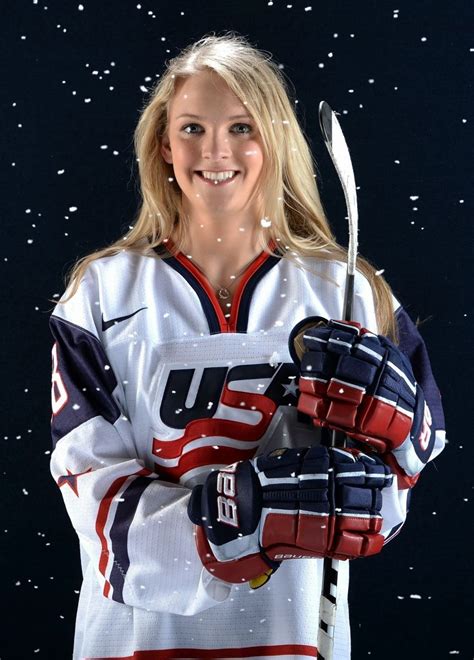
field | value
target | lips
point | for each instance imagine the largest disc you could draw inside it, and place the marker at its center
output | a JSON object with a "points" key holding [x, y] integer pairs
{"points": [[216, 171], [218, 183]]}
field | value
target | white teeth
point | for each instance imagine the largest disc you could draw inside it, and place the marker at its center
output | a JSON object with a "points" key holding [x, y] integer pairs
{"points": [[218, 176]]}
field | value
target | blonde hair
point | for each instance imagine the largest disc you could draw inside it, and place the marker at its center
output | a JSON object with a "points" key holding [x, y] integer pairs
{"points": [[287, 184]]}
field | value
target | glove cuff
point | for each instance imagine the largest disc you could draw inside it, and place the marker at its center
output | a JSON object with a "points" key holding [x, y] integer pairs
{"points": [[235, 570], [404, 481]]}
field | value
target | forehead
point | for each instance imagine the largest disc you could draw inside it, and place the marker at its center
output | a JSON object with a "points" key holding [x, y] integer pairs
{"points": [[205, 93]]}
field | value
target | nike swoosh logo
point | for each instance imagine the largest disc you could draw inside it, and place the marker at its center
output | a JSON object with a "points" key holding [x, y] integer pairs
{"points": [[108, 324]]}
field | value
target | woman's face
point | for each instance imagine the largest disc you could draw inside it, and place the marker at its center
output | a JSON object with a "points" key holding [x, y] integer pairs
{"points": [[221, 137]]}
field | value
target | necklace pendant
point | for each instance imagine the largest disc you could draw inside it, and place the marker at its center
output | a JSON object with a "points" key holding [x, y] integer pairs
{"points": [[223, 293]]}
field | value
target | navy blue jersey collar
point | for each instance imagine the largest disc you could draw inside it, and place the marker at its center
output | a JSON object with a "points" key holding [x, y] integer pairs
{"points": [[238, 320]]}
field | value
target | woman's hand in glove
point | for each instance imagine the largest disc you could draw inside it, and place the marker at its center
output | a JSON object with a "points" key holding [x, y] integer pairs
{"points": [[290, 504], [360, 383]]}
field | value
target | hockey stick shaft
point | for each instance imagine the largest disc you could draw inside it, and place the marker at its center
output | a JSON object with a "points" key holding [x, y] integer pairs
{"points": [[339, 152]]}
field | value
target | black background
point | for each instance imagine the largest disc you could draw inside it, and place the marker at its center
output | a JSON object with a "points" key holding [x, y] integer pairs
{"points": [[69, 186]]}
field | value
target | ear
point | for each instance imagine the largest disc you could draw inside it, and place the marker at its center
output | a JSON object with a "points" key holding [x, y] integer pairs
{"points": [[166, 149]]}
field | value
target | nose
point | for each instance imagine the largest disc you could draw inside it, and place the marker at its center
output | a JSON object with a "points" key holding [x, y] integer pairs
{"points": [[216, 144]]}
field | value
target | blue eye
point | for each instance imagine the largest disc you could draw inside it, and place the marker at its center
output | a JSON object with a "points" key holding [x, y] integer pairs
{"points": [[184, 129], [246, 125], [188, 126]]}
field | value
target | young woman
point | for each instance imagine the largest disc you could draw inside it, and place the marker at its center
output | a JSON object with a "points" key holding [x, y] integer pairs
{"points": [[188, 428]]}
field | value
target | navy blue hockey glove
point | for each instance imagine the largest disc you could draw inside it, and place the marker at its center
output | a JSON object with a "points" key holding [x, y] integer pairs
{"points": [[360, 383], [290, 504]]}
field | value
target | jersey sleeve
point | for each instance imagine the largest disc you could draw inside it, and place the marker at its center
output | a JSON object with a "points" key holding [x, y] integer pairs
{"points": [[132, 525], [412, 344]]}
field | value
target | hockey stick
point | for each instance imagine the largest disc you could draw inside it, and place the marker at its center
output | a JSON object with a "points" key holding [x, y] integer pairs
{"points": [[339, 152], [337, 147]]}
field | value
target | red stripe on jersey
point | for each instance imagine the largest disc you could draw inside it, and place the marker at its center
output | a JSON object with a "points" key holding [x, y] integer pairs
{"points": [[209, 427], [227, 428], [221, 654], [230, 324], [102, 519], [204, 456]]}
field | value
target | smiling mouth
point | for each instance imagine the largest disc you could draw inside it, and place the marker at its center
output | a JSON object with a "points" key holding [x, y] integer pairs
{"points": [[215, 182]]}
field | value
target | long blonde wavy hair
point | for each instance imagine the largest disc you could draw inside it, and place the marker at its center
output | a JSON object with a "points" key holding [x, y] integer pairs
{"points": [[287, 184]]}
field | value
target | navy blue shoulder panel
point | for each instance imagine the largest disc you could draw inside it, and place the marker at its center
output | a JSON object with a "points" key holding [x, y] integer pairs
{"points": [[413, 345], [83, 380]]}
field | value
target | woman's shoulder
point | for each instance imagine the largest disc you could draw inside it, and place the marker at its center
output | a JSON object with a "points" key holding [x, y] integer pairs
{"points": [[332, 270], [121, 262], [107, 280]]}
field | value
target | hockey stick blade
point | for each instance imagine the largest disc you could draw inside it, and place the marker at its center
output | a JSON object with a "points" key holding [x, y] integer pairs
{"points": [[340, 156]]}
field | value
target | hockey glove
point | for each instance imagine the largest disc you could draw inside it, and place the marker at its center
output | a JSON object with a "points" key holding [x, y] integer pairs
{"points": [[290, 504], [360, 383]]}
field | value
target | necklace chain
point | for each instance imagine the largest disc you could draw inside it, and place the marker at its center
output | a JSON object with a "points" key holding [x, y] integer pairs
{"points": [[224, 291]]}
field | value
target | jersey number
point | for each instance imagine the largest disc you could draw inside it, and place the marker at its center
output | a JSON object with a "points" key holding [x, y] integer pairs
{"points": [[58, 389]]}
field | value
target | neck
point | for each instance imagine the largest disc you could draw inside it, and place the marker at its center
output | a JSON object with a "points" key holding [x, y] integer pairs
{"points": [[221, 252]]}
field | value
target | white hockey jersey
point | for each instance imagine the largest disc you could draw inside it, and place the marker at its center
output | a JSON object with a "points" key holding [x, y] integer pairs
{"points": [[152, 387]]}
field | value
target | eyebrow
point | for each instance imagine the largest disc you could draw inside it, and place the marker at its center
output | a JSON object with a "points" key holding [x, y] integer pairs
{"points": [[229, 118]]}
